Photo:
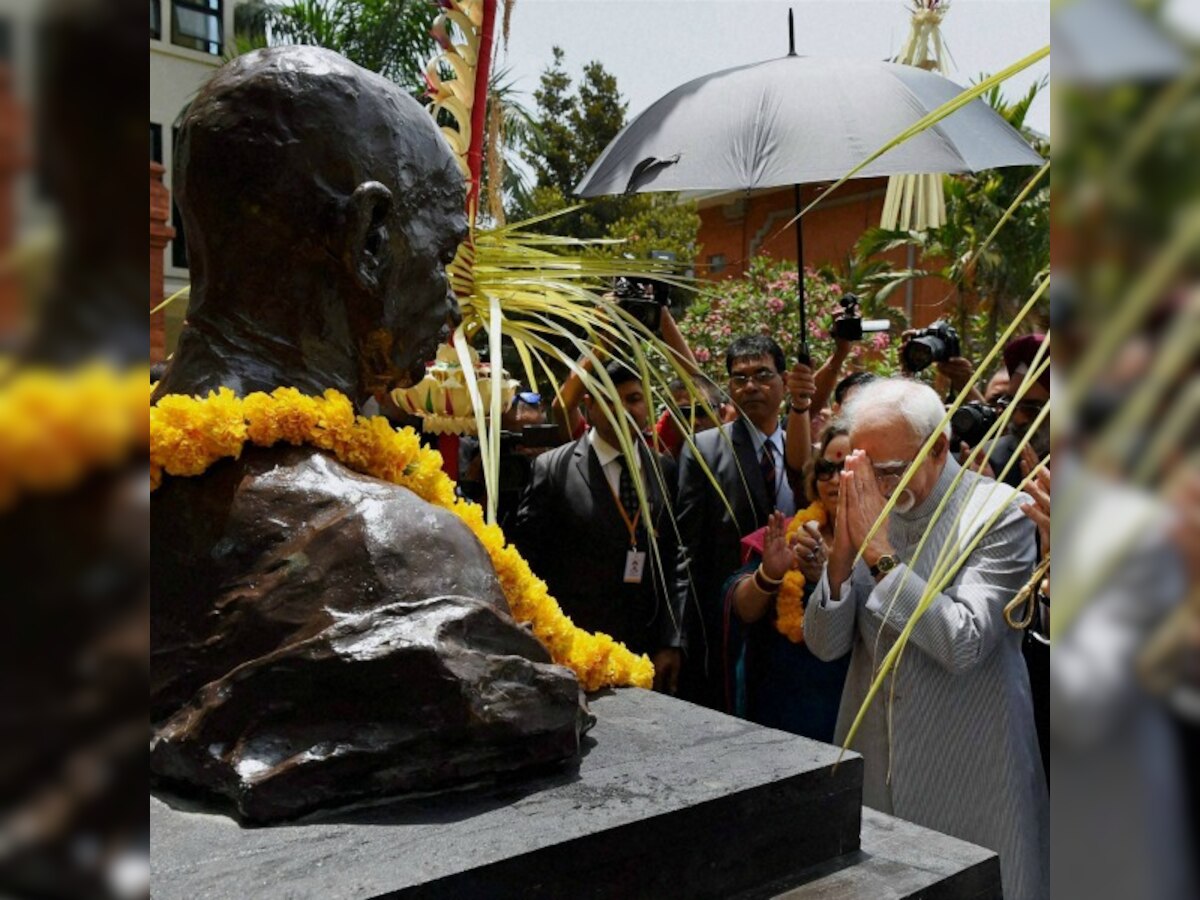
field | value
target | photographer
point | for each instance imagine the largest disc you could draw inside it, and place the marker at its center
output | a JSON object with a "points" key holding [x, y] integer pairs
{"points": [[524, 436], [1018, 357], [939, 345]]}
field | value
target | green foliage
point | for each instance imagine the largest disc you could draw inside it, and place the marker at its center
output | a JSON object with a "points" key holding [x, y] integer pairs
{"points": [[390, 37], [765, 302], [659, 222], [998, 280], [553, 162], [575, 124]]}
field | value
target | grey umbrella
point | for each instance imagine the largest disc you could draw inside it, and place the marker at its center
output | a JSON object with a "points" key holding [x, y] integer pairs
{"points": [[795, 120]]}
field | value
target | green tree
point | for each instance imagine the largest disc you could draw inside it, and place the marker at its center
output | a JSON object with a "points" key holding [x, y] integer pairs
{"points": [[390, 37], [553, 161], [1000, 277], [659, 223], [575, 124]]}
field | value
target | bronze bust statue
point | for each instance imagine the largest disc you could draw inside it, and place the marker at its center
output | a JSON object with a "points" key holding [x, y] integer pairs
{"points": [[319, 636]]}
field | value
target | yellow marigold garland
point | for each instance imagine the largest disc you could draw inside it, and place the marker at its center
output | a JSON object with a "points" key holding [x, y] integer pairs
{"points": [[189, 434], [56, 427], [789, 604]]}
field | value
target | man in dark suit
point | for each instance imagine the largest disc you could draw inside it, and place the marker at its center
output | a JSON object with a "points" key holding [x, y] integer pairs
{"points": [[759, 468], [582, 529]]}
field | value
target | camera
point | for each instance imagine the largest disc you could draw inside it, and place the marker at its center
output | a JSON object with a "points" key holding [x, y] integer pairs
{"points": [[515, 462], [849, 325], [937, 343], [971, 421], [643, 299]]}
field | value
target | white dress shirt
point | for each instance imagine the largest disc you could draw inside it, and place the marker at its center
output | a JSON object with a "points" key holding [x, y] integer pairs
{"points": [[609, 457]]}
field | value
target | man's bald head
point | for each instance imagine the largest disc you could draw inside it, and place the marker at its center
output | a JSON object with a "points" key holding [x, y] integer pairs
{"points": [[299, 172], [278, 140], [890, 419]]}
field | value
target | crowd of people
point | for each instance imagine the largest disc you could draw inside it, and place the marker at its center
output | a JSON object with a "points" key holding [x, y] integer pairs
{"points": [[726, 547]]}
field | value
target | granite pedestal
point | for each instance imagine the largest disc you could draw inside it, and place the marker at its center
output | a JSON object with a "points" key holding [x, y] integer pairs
{"points": [[668, 800]]}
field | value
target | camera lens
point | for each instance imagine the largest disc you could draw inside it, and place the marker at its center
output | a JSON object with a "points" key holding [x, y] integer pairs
{"points": [[971, 422], [919, 353]]}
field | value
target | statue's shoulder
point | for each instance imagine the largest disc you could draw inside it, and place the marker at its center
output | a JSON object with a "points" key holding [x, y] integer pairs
{"points": [[270, 495]]}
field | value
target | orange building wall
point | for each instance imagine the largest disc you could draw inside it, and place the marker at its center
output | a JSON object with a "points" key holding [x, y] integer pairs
{"points": [[830, 232], [160, 234]]}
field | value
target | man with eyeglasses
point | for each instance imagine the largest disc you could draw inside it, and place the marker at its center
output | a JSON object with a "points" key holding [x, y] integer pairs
{"points": [[759, 470], [950, 741]]}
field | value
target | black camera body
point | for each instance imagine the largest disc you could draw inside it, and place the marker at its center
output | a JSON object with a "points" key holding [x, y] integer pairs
{"points": [[848, 324], [643, 299], [937, 343], [971, 421]]}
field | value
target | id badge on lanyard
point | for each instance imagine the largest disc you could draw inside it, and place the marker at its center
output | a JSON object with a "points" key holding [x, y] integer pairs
{"points": [[635, 566], [635, 559]]}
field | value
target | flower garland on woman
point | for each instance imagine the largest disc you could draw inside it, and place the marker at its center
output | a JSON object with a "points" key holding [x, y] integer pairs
{"points": [[783, 685], [190, 434]]}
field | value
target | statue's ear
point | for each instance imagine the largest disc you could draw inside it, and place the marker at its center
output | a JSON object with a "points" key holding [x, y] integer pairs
{"points": [[367, 246]]}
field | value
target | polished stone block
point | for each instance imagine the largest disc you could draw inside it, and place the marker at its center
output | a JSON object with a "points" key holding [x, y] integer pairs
{"points": [[669, 799]]}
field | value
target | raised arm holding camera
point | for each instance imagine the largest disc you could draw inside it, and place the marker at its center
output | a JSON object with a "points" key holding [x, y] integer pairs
{"points": [[648, 301]]}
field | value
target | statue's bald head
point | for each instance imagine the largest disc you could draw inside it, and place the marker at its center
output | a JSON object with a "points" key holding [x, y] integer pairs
{"points": [[296, 159]]}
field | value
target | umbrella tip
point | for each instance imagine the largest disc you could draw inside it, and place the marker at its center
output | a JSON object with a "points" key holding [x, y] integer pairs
{"points": [[791, 34]]}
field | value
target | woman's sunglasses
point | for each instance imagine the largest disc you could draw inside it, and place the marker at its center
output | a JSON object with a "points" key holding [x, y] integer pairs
{"points": [[827, 468]]}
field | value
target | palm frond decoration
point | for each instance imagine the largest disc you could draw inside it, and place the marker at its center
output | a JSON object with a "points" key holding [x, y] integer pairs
{"points": [[543, 294], [917, 201]]}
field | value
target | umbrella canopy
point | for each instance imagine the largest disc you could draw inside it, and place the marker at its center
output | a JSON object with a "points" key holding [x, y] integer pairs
{"points": [[800, 119]]}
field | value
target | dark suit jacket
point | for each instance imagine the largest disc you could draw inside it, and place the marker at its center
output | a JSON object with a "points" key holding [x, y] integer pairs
{"points": [[573, 536], [711, 541]]}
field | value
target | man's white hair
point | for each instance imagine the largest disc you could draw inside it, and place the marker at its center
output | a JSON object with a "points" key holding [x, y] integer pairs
{"points": [[911, 401]]}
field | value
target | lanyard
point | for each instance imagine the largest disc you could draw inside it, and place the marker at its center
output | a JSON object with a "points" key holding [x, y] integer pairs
{"points": [[630, 524]]}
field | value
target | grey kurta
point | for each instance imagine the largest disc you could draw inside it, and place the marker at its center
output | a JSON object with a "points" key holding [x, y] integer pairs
{"points": [[964, 755]]}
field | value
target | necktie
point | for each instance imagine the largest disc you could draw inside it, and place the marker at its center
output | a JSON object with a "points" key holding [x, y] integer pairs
{"points": [[626, 489], [768, 469]]}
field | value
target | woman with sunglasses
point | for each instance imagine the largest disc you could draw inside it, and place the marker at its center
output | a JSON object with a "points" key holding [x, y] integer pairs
{"points": [[780, 683]]}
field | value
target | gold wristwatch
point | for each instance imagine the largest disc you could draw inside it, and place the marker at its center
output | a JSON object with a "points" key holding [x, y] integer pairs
{"points": [[884, 564]]}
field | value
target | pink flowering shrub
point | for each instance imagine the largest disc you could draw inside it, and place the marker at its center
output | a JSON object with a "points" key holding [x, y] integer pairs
{"points": [[765, 302]]}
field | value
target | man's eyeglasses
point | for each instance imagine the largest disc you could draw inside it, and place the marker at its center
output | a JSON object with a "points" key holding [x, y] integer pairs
{"points": [[888, 474], [762, 377], [828, 469], [686, 412]]}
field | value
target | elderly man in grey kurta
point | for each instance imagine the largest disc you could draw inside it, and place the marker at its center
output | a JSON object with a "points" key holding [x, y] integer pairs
{"points": [[962, 756]]}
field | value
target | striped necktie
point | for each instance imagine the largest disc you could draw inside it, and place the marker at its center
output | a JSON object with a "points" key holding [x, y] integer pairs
{"points": [[768, 469], [626, 490]]}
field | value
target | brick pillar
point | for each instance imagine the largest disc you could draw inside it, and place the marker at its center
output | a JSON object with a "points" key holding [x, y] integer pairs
{"points": [[160, 234], [13, 159]]}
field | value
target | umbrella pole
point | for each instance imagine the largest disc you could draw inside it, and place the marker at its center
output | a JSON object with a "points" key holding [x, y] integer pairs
{"points": [[802, 354]]}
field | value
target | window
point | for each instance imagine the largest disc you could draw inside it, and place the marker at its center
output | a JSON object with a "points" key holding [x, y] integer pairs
{"points": [[197, 24], [716, 264], [156, 19], [179, 257], [156, 150]]}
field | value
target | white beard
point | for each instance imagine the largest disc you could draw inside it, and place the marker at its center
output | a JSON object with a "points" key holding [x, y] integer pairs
{"points": [[905, 502]]}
